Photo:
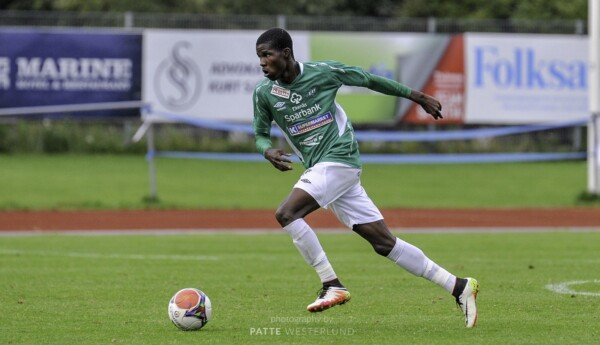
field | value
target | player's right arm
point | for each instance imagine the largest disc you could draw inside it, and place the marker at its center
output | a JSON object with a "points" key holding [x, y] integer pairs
{"points": [[262, 136], [261, 124]]}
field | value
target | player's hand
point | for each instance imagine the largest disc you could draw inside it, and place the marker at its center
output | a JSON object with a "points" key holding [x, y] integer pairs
{"points": [[431, 105], [279, 159]]}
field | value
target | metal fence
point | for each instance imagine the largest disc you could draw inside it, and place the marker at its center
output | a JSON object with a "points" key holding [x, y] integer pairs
{"points": [[133, 20]]}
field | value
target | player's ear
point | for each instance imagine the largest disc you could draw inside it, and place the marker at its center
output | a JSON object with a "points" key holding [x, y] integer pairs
{"points": [[287, 52]]}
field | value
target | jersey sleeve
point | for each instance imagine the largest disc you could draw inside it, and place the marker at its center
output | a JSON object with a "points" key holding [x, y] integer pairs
{"points": [[261, 124], [356, 76]]}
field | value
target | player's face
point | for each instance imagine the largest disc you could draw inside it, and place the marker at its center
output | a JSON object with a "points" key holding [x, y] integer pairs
{"points": [[272, 61]]}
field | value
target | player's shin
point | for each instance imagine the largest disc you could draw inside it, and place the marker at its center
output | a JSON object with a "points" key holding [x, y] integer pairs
{"points": [[414, 260], [309, 246]]}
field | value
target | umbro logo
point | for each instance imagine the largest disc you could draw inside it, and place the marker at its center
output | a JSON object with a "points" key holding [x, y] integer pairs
{"points": [[280, 106]]}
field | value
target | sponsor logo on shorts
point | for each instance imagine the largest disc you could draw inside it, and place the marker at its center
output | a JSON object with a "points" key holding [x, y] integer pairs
{"points": [[310, 124], [280, 92], [305, 180]]}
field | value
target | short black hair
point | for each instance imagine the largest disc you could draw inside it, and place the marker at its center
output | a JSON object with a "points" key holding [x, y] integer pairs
{"points": [[277, 38]]}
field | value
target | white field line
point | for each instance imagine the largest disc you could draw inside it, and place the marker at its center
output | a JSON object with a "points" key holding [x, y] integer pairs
{"points": [[109, 255], [259, 231], [565, 287]]}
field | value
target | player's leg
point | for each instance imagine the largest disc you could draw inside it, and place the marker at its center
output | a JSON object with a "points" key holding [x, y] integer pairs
{"points": [[290, 215], [297, 205], [416, 262], [310, 193], [404, 254], [357, 211]]}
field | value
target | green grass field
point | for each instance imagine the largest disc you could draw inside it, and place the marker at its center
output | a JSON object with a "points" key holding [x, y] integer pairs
{"points": [[113, 182], [114, 289]]}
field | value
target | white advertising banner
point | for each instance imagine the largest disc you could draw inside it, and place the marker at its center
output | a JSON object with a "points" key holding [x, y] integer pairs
{"points": [[205, 74], [508, 78], [519, 78]]}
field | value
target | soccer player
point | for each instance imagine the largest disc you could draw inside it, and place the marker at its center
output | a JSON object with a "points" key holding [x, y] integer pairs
{"points": [[300, 99]]}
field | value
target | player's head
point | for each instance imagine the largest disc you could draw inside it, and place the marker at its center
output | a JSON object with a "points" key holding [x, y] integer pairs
{"points": [[275, 51], [276, 38]]}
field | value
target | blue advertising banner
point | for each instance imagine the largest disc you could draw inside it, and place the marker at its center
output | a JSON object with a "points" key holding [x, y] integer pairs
{"points": [[50, 68]]}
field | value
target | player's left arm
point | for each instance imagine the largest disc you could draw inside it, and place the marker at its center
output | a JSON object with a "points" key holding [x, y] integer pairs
{"points": [[356, 76], [391, 87], [431, 105]]}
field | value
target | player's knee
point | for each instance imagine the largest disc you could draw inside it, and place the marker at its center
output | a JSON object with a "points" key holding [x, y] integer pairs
{"points": [[378, 235], [284, 216], [382, 248]]}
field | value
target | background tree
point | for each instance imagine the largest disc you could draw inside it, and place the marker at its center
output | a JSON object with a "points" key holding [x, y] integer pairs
{"points": [[476, 9]]}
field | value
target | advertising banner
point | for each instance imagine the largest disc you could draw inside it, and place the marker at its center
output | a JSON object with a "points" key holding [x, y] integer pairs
{"points": [[205, 74], [479, 78], [446, 82], [48, 68], [520, 78], [409, 58]]}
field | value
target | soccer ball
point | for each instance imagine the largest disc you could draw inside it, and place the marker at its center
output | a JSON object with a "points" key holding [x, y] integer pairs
{"points": [[190, 309]]}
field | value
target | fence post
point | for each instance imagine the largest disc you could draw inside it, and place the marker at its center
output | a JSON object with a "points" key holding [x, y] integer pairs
{"points": [[150, 157], [281, 21], [431, 24], [579, 27], [128, 19], [593, 156]]}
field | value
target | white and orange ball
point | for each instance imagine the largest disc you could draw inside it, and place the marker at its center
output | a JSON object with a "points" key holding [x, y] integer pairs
{"points": [[190, 309]]}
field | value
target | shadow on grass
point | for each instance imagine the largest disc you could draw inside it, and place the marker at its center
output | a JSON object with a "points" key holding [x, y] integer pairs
{"points": [[151, 201], [587, 198]]}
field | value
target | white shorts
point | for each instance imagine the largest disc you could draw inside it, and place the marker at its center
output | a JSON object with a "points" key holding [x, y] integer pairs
{"points": [[337, 186]]}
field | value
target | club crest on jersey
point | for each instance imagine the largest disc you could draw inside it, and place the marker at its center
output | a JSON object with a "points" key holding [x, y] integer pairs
{"points": [[280, 92], [310, 124]]}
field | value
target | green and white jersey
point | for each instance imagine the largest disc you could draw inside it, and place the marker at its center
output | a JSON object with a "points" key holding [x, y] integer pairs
{"points": [[313, 123]]}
